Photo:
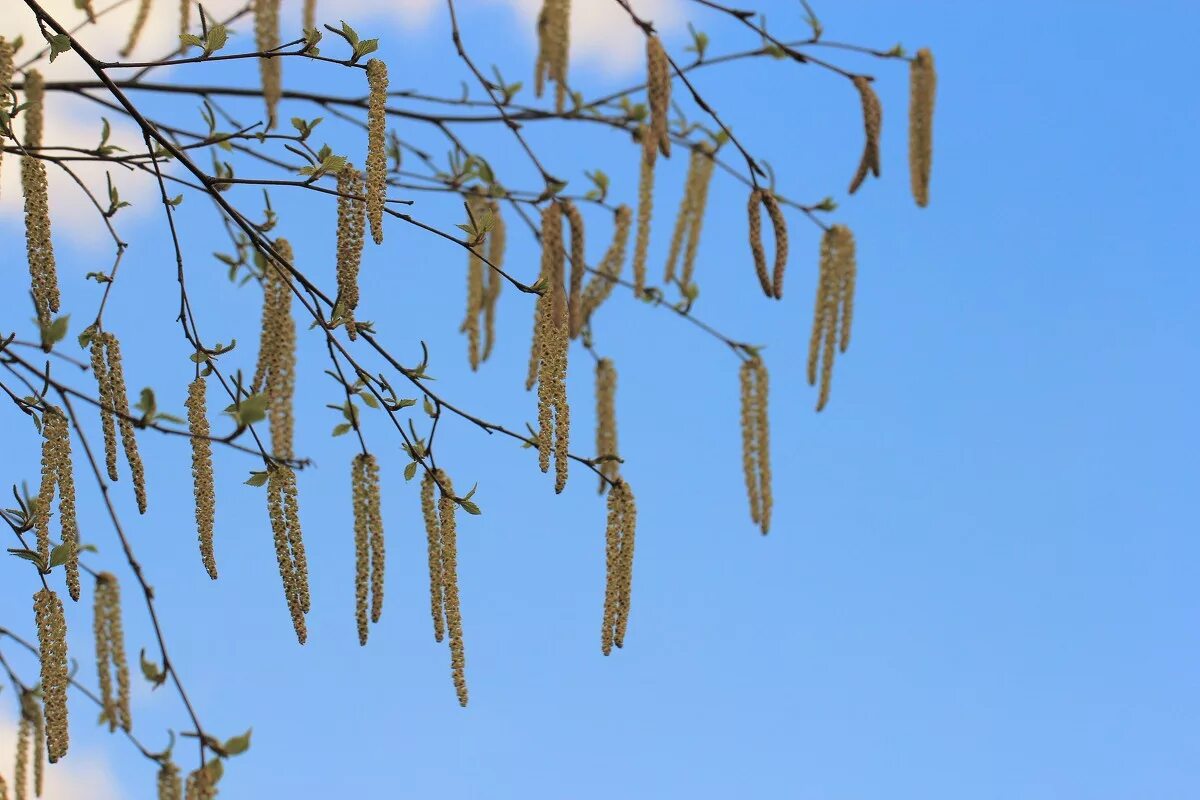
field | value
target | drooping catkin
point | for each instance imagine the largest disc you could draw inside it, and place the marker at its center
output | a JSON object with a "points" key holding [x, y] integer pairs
{"points": [[475, 291], [544, 337], [110, 653], [619, 545], [135, 32], [351, 227], [606, 421], [310, 14], [266, 38], [185, 22], [377, 80], [65, 478], [202, 473], [754, 212], [39, 246], [497, 242], [833, 307], [289, 548], [47, 488], [35, 108], [275, 373], [690, 218], [39, 748], [601, 285], [368, 542], [578, 268], [658, 87], [168, 782], [749, 401], [763, 443], [554, 24], [449, 564], [779, 225], [872, 112], [922, 88], [6, 73], [120, 399], [108, 420], [433, 533], [52, 645], [199, 785], [645, 209], [21, 767]]}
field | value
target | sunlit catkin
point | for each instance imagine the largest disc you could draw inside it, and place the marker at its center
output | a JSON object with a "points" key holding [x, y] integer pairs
{"points": [[833, 307], [449, 553], [120, 398], [754, 213], [351, 227], [606, 421], [645, 209], [275, 373], [21, 767], [658, 88], [282, 506], [39, 747], [135, 32], [779, 225], [6, 73], [47, 487], [35, 108], [65, 478], [52, 646], [110, 653], [108, 419], [266, 38], [368, 542], [475, 299], [690, 218], [922, 88], [749, 402], [39, 246], [202, 473], [872, 112], [578, 268], [168, 782], [553, 49], [497, 242], [377, 81], [433, 533], [602, 283], [619, 546], [546, 336], [763, 442], [185, 23]]}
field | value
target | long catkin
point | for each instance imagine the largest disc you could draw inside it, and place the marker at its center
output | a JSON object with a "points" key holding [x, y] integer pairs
{"points": [[110, 653], [619, 546], [119, 395], [135, 32], [39, 246], [749, 418], [602, 283], [351, 228], [833, 307], [6, 73], [202, 472], [58, 478], [658, 85], [449, 570], [433, 533], [763, 444], [754, 213], [475, 290], [553, 49], [377, 82], [21, 767], [368, 543], [872, 112], [275, 373], [52, 645], [283, 509], [108, 418], [698, 192], [606, 421], [266, 35], [922, 89], [35, 108], [497, 242], [578, 268], [645, 210]]}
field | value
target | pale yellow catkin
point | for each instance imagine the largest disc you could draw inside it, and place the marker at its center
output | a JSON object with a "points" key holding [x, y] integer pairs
{"points": [[622, 526], [266, 37], [377, 81], [6, 73], [497, 242], [779, 225], [545, 338], [21, 767], [310, 14], [368, 543], [847, 267], [119, 395], [65, 478], [276, 370], [200, 785], [578, 268], [612, 551], [110, 653], [833, 308], [185, 22], [135, 32], [872, 112], [606, 420], [47, 487], [763, 443], [202, 472], [475, 291], [168, 782], [754, 213], [52, 646], [690, 219], [108, 419], [602, 283], [553, 49], [35, 108], [433, 533], [446, 511], [658, 88], [645, 209], [39, 748], [283, 511], [375, 526], [39, 245], [749, 419], [922, 89], [351, 228]]}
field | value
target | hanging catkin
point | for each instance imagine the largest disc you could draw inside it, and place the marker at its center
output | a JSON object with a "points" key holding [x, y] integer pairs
{"points": [[168, 782], [779, 225], [619, 544], [185, 23], [275, 373], [658, 87], [108, 420], [266, 37], [872, 121], [601, 285], [52, 643], [756, 452], [754, 212], [202, 474], [39, 247], [377, 81], [120, 399], [57, 476], [6, 73], [110, 653], [922, 88], [433, 533], [135, 33], [833, 308], [606, 420], [645, 209], [475, 290], [497, 241], [35, 108], [351, 228], [39, 746], [552, 342], [554, 23], [368, 542], [449, 569], [21, 767], [283, 508], [578, 268], [690, 218], [310, 14]]}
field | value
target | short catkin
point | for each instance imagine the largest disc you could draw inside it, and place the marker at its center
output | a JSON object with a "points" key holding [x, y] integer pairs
{"points": [[351, 228], [202, 472], [922, 89], [168, 782], [35, 108], [619, 545], [310, 14], [872, 112], [119, 395], [139, 23], [266, 37], [52, 646], [377, 82], [754, 213], [779, 225]]}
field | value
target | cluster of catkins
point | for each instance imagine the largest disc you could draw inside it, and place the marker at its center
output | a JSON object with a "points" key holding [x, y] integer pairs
{"points": [[110, 653], [483, 281], [441, 533], [368, 542], [58, 477], [109, 370], [52, 642], [619, 541]]}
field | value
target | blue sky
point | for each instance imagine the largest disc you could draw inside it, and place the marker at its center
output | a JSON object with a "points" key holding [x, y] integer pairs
{"points": [[979, 580]]}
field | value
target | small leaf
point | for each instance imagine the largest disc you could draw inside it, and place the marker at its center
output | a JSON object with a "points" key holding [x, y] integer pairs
{"points": [[257, 478], [342, 428], [28, 555], [146, 403], [151, 671], [429, 407], [469, 507], [238, 744], [61, 554], [59, 44], [410, 470], [55, 332]]}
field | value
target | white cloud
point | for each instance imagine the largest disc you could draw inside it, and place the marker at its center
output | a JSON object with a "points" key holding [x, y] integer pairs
{"points": [[79, 775]]}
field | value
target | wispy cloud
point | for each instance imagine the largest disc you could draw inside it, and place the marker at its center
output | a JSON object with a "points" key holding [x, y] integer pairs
{"points": [[79, 775]]}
